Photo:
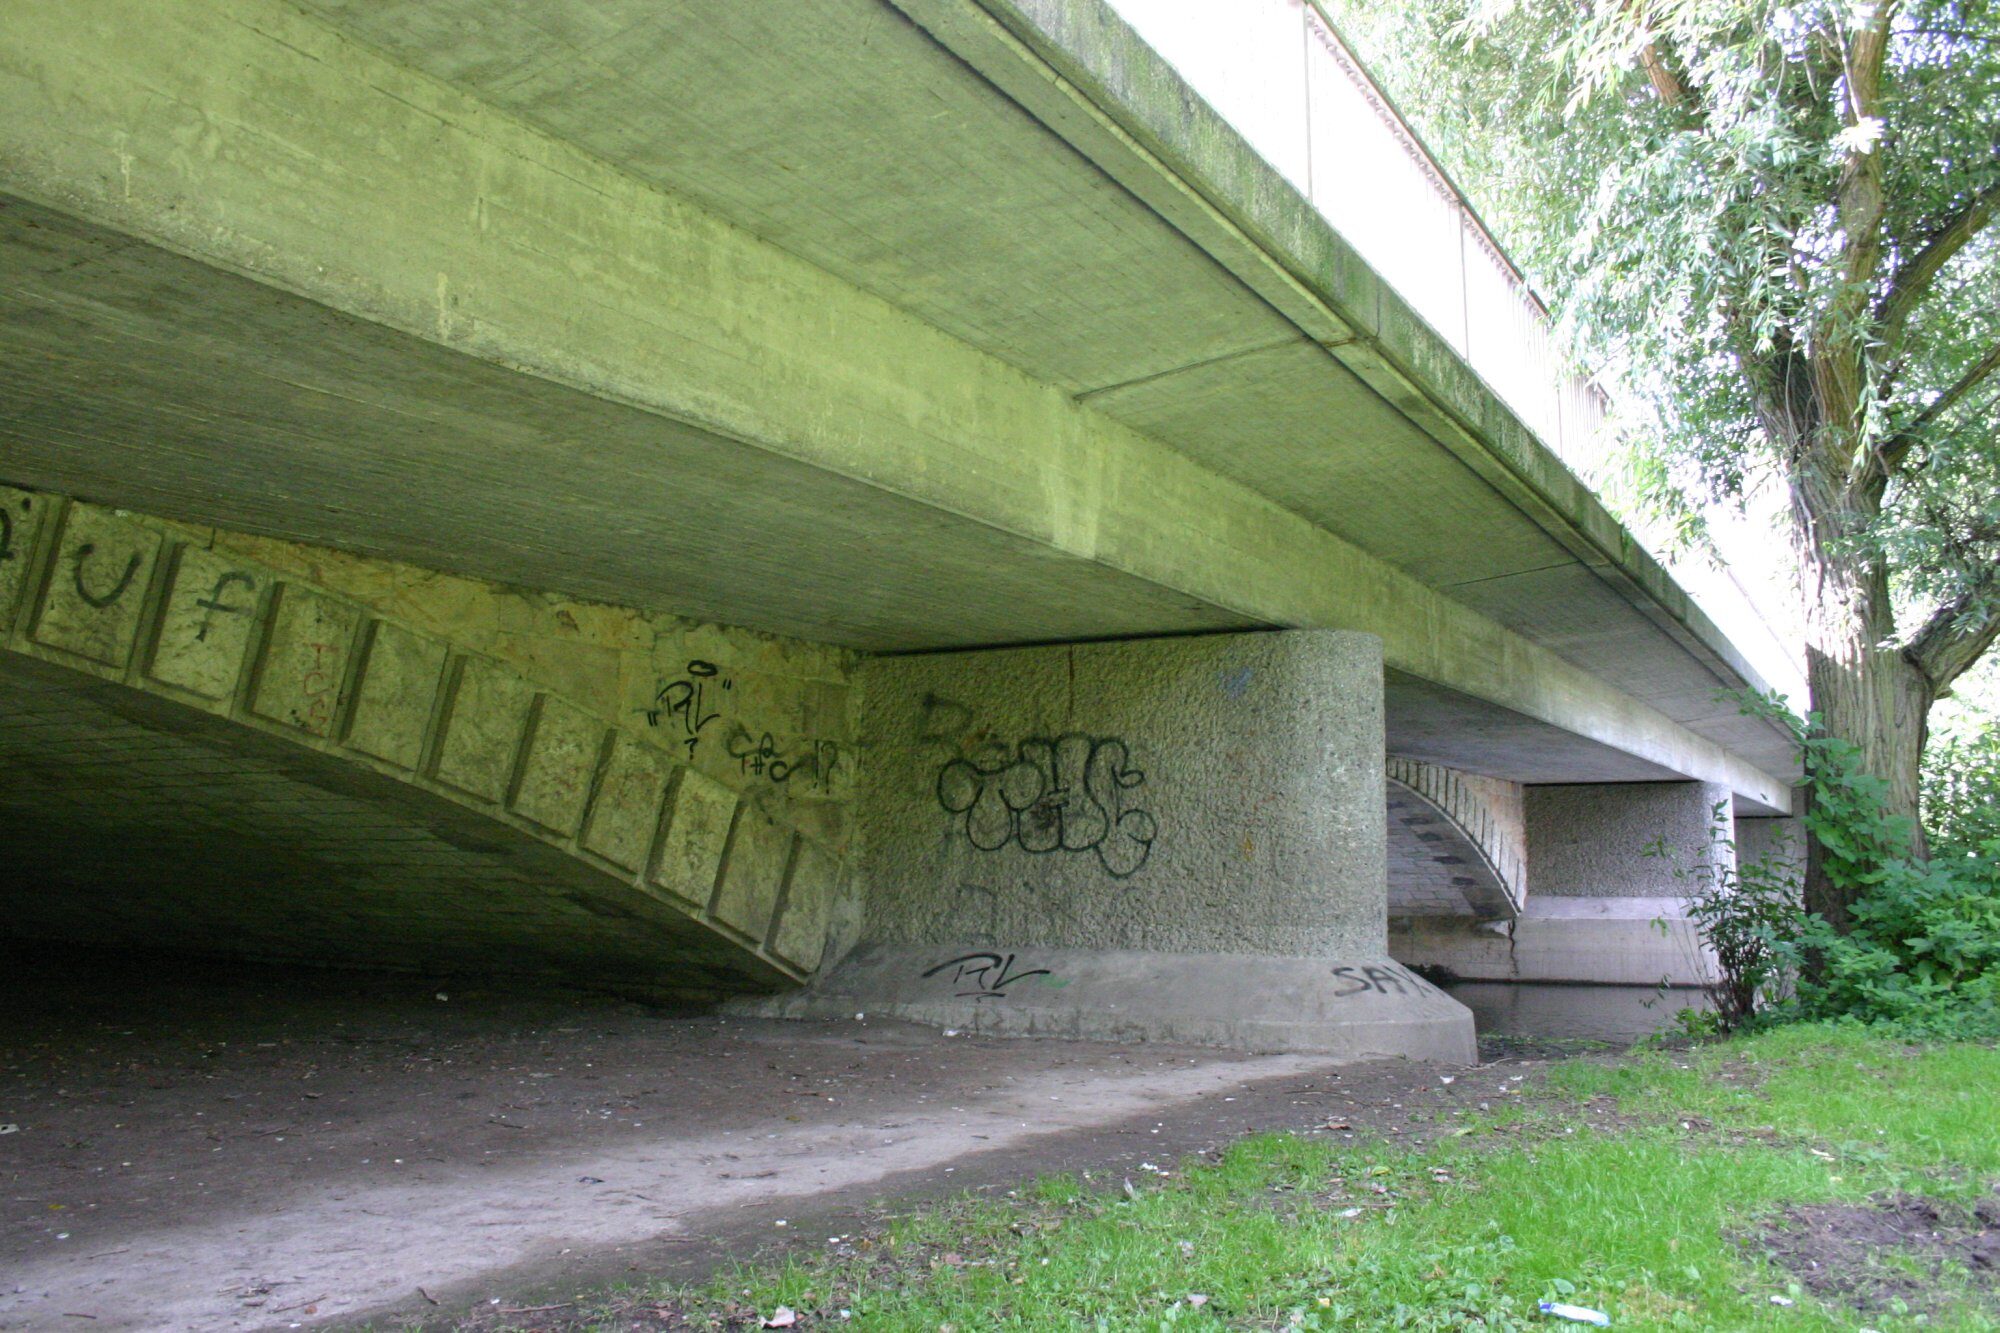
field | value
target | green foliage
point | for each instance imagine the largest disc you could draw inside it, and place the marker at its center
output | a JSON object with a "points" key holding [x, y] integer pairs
{"points": [[1697, 250], [1747, 913], [1921, 950], [1962, 794], [1645, 1218]]}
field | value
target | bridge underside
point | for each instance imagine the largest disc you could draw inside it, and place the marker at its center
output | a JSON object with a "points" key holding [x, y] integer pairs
{"points": [[132, 821], [137, 377]]}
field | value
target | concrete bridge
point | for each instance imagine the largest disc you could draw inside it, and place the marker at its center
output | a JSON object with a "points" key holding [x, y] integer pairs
{"points": [[888, 502]]}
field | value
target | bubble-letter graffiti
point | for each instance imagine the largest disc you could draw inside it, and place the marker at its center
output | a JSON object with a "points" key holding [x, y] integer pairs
{"points": [[1068, 793]]}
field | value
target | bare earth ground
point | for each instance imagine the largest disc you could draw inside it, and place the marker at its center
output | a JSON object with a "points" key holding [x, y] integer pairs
{"points": [[202, 1148]]}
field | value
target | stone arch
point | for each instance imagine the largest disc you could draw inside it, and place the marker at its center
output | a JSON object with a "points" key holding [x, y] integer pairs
{"points": [[1456, 848], [197, 750]]}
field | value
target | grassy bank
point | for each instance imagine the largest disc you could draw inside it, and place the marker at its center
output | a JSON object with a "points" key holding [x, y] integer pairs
{"points": [[1656, 1187]]}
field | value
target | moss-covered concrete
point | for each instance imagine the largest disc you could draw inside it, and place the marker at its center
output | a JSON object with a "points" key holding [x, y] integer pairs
{"points": [[311, 756], [515, 268]]}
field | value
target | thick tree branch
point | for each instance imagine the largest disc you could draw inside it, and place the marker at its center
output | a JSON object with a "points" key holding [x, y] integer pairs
{"points": [[1911, 282], [1957, 633], [1890, 454]]}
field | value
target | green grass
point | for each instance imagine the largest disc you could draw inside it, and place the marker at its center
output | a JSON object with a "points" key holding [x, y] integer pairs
{"points": [[1641, 1219]]}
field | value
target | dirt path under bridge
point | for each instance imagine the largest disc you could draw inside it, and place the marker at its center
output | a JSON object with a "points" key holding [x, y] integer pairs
{"points": [[203, 1148]]}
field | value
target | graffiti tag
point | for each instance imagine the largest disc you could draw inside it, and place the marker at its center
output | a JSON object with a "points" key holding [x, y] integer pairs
{"points": [[1379, 980], [989, 974], [1069, 793], [682, 705], [104, 599]]}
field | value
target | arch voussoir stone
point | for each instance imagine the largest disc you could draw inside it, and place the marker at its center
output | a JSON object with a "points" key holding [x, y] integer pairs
{"points": [[1452, 852], [704, 880]]}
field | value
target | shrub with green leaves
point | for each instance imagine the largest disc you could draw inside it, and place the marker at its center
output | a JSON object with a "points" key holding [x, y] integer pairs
{"points": [[1922, 946]]}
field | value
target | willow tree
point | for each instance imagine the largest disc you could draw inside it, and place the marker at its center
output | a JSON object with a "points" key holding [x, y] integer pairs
{"points": [[1776, 223]]}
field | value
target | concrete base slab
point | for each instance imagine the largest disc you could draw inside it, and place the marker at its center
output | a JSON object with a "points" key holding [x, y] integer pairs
{"points": [[1361, 1008], [1597, 941]]}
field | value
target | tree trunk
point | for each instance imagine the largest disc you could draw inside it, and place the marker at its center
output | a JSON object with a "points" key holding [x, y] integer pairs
{"points": [[1865, 691]]}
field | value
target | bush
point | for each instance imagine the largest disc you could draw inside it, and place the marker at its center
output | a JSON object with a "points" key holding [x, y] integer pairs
{"points": [[1748, 914], [1922, 952]]}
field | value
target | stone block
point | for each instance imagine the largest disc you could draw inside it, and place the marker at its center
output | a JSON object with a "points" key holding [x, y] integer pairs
{"points": [[691, 855], [305, 660], [20, 524], [395, 695], [801, 936], [626, 813], [759, 853], [482, 739], [97, 591], [562, 758], [205, 632]]}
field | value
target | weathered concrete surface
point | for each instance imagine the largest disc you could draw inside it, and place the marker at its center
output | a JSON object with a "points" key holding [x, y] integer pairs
{"points": [[1582, 941], [1592, 841], [1355, 1008], [1613, 866], [1158, 839], [212, 751], [919, 415], [1208, 794]]}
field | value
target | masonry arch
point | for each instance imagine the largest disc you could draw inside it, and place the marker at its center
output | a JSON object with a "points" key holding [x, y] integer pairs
{"points": [[198, 752], [1456, 844]]}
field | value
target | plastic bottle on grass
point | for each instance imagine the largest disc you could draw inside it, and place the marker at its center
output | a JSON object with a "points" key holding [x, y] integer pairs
{"points": [[1576, 1314]]}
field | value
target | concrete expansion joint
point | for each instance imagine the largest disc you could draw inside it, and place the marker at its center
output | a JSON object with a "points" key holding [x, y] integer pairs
{"points": [[137, 602]]}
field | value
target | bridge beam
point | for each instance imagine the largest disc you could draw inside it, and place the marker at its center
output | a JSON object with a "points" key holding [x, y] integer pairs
{"points": [[262, 143]]}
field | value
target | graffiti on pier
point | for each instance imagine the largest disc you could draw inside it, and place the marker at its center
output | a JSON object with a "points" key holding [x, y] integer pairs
{"points": [[988, 974], [1376, 980], [214, 604], [683, 705], [1068, 793], [814, 763]]}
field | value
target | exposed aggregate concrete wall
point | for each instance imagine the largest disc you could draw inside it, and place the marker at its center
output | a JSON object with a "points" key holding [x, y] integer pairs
{"points": [[1589, 841], [1209, 794], [704, 770]]}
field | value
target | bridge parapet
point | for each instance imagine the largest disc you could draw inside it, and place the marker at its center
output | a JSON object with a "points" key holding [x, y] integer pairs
{"points": [[133, 601]]}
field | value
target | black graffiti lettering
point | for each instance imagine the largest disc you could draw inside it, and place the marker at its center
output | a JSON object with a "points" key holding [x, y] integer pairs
{"points": [[83, 553], [990, 974], [1065, 793], [760, 755], [683, 703], [1379, 980], [1355, 984], [213, 605], [1383, 979]]}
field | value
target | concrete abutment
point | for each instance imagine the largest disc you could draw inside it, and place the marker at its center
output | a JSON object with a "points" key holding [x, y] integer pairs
{"points": [[1611, 868], [1175, 839], [237, 746]]}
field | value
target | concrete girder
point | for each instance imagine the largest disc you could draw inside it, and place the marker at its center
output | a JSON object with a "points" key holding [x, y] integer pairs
{"points": [[262, 143], [204, 751]]}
